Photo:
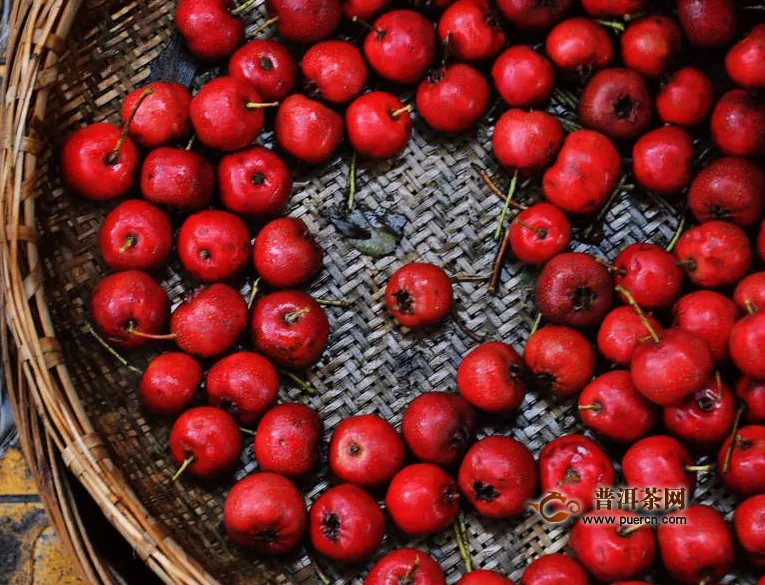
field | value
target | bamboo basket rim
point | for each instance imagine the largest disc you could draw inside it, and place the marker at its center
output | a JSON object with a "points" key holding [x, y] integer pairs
{"points": [[38, 29]]}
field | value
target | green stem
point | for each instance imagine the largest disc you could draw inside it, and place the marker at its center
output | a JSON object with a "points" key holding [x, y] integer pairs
{"points": [[634, 304], [186, 462], [677, 234], [537, 323], [506, 206], [352, 181], [111, 350], [335, 303], [298, 381]]}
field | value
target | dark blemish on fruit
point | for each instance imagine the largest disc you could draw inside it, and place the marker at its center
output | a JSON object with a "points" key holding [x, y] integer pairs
{"points": [[330, 526], [265, 63], [572, 476], [583, 298], [404, 302], [258, 179], [485, 492]]}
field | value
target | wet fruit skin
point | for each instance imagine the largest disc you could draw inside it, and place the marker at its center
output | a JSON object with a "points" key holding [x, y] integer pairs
{"points": [[438, 427], [453, 98], [608, 553], [366, 450], [745, 61], [728, 188], [750, 292], [498, 476], [705, 418], [554, 569], [365, 9], [745, 474], [609, 401], [376, 126], [752, 394], [307, 129], [651, 45], [747, 340], [287, 440], [708, 23], [162, 117], [178, 178], [211, 435], [474, 32], [584, 174], [346, 524], [523, 77], [532, 14], [266, 64], [621, 332], [419, 294], [714, 254], [266, 512], [306, 21], [403, 563], [526, 141], [651, 275], [661, 159], [738, 124], [749, 526], [170, 383], [335, 70], [659, 461], [686, 98], [560, 360], [575, 290], [606, 8], [700, 549], [483, 577], [539, 233], [492, 377], [575, 466], [579, 45], [422, 499], [285, 254], [709, 315], [210, 30]]}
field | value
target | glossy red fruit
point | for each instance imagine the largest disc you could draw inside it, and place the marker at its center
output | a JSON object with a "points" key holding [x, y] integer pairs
{"points": [[579, 45], [728, 188], [606, 8], [135, 235], [162, 117], [651, 45], [608, 551], [306, 21], [178, 178], [472, 29], [661, 160], [738, 124], [422, 499], [616, 102], [661, 462], [482, 577], [750, 292], [752, 394], [266, 512], [403, 564], [170, 383], [761, 242], [94, 166], [438, 427], [363, 9], [127, 301], [210, 321], [700, 549], [585, 173], [285, 253], [210, 30], [704, 419], [255, 183], [708, 23], [287, 440], [498, 476], [621, 331], [747, 342], [307, 129], [334, 71], [745, 62], [453, 98], [532, 14], [539, 233], [708, 315], [574, 289], [401, 46], [745, 469], [669, 370], [492, 377], [419, 294], [210, 436], [227, 113], [523, 77], [379, 126], [366, 450], [243, 383], [714, 254], [290, 328], [575, 467], [560, 360], [527, 141], [611, 399], [686, 98], [214, 245], [651, 275], [554, 569], [346, 524], [749, 526], [268, 66]]}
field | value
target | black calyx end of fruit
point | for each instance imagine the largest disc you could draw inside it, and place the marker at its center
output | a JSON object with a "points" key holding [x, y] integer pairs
{"points": [[517, 372], [204, 254], [436, 75], [267, 538], [543, 382], [485, 492], [354, 449], [572, 476], [582, 298], [266, 64], [258, 179], [626, 108], [541, 233], [330, 526], [404, 302], [719, 212], [707, 402]]}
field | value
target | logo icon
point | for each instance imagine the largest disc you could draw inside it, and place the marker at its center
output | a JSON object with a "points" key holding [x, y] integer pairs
{"points": [[558, 515]]}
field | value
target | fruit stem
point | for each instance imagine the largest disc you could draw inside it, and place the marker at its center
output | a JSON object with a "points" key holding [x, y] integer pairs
{"points": [[569, 125], [537, 323], [111, 350], [750, 308], [471, 278], [291, 317], [190, 143], [130, 241], [676, 236], [734, 432], [529, 227], [186, 462], [137, 333], [701, 468], [335, 303], [242, 7], [506, 206], [247, 431], [396, 113], [460, 533], [378, 31], [465, 329], [260, 105], [114, 156], [499, 260], [352, 181], [408, 578], [614, 24], [630, 529], [633, 303], [264, 26], [320, 572], [497, 191], [255, 291], [298, 381], [566, 98], [594, 406]]}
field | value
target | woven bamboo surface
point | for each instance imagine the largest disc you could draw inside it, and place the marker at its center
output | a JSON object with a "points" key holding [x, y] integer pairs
{"points": [[72, 65]]}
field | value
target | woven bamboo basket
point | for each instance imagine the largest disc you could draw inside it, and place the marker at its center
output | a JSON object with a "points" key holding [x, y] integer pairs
{"points": [[70, 63]]}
